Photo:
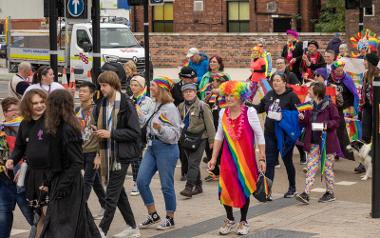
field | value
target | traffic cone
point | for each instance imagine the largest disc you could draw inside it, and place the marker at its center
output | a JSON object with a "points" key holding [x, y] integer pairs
{"points": [[72, 77], [64, 79], [89, 76]]}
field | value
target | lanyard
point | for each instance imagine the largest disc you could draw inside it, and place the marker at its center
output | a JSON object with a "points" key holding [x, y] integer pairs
{"points": [[85, 118], [109, 120], [43, 87]]}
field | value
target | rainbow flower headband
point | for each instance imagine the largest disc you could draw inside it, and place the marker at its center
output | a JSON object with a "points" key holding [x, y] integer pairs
{"points": [[235, 88], [338, 63], [164, 82]]}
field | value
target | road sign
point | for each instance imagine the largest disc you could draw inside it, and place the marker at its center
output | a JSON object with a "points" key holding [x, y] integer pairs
{"points": [[77, 11]]}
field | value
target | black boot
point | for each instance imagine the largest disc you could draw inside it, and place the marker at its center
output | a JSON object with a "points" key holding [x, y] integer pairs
{"points": [[188, 191], [198, 189]]}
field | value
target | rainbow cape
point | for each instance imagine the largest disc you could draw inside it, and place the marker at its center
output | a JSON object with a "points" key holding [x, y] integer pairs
{"points": [[164, 119], [307, 106]]}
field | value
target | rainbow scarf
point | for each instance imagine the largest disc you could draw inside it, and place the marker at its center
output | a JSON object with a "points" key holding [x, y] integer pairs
{"points": [[238, 168], [222, 102], [213, 98], [14, 122], [307, 106], [204, 88], [323, 152], [141, 96], [164, 119]]}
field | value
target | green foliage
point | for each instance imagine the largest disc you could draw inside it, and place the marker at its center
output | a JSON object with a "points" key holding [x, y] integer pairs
{"points": [[332, 18]]}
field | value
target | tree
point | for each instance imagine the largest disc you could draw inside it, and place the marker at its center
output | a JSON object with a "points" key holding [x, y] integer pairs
{"points": [[332, 18]]}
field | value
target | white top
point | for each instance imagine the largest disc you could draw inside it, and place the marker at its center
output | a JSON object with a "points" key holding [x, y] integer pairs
{"points": [[48, 88], [253, 120]]}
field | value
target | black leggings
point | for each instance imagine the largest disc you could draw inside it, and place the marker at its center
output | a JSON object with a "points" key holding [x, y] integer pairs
{"points": [[243, 212]]}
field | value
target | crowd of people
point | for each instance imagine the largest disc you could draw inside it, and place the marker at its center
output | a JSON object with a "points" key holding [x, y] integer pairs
{"points": [[206, 116]]}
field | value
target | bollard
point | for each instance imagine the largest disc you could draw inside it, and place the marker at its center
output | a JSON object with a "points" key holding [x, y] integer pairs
{"points": [[375, 211]]}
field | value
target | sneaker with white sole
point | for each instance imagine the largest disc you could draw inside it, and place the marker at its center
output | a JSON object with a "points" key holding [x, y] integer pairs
{"points": [[135, 190], [167, 223], [243, 228], [327, 197], [150, 220], [128, 233], [227, 227], [100, 215]]}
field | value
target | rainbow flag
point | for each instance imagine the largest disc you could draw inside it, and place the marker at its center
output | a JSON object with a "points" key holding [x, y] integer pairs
{"points": [[265, 86], [323, 153], [14, 122], [222, 102], [164, 119], [301, 91], [204, 88], [307, 106]]}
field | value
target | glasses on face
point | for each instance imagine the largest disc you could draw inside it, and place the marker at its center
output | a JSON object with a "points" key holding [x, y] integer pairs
{"points": [[317, 75]]}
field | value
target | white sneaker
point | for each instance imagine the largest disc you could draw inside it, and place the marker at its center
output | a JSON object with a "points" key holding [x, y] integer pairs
{"points": [[243, 228], [135, 190], [227, 227], [100, 215], [128, 233]]}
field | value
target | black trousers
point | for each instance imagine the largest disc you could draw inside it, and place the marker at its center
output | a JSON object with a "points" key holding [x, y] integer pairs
{"points": [[93, 180], [116, 196], [342, 134], [184, 161], [367, 123]]}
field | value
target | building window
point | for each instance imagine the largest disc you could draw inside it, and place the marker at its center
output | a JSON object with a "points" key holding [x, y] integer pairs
{"points": [[163, 18], [238, 17], [369, 11]]}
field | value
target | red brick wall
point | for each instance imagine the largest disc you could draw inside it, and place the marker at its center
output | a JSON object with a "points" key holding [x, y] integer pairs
{"points": [[169, 50], [214, 16]]}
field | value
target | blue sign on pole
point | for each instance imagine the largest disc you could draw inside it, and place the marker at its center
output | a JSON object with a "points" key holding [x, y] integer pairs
{"points": [[75, 7]]}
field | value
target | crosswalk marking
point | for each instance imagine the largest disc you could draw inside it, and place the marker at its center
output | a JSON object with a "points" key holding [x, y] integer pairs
{"points": [[346, 183]]}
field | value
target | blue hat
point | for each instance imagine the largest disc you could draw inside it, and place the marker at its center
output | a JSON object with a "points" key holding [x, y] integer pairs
{"points": [[322, 72]]}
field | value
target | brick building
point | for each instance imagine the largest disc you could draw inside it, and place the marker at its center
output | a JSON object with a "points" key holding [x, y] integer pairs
{"points": [[371, 19], [229, 16]]}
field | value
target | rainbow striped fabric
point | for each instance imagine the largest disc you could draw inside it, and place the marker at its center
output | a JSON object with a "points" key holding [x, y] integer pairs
{"points": [[265, 86], [238, 168], [307, 106], [14, 122], [164, 119]]}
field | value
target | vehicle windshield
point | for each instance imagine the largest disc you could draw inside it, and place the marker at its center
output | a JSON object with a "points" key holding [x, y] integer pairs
{"points": [[2, 39], [117, 38]]}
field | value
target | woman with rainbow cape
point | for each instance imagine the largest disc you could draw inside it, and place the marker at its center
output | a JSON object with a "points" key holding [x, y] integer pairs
{"points": [[238, 131]]}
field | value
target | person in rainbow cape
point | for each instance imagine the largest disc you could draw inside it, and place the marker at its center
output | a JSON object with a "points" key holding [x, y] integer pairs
{"points": [[320, 140], [238, 131], [11, 183]]}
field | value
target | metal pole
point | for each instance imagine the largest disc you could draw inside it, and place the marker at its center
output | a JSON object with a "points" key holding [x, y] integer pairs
{"points": [[96, 40], [375, 211], [146, 43], [53, 38], [361, 19]]}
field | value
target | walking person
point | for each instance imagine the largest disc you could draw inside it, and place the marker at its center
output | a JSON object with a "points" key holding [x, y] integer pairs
{"points": [[292, 52], [32, 143], [312, 59], [44, 79], [19, 82], [144, 106], [85, 113], [216, 66], [198, 123], [163, 132], [325, 113], [119, 135], [238, 131], [280, 98], [198, 61], [11, 191], [67, 212]]}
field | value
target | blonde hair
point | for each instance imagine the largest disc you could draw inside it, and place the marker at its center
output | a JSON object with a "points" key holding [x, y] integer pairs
{"points": [[132, 66], [164, 96]]}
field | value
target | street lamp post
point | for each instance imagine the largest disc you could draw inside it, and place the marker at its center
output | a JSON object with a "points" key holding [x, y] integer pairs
{"points": [[375, 211], [53, 38]]}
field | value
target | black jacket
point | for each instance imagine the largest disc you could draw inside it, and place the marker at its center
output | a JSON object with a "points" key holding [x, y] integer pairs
{"points": [[297, 54], [288, 100], [127, 134], [291, 78], [177, 93]]}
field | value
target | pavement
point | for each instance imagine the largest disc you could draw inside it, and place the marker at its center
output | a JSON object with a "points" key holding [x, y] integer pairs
{"points": [[202, 215]]}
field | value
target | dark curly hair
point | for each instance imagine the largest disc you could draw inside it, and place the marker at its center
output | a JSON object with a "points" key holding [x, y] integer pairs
{"points": [[220, 62], [41, 71], [60, 109]]}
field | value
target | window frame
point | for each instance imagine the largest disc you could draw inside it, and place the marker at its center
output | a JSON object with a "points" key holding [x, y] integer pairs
{"points": [[373, 11], [165, 22], [238, 21]]}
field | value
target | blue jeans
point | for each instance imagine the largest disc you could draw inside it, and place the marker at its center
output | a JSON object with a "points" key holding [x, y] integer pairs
{"points": [[92, 179], [159, 157], [271, 153], [8, 199]]}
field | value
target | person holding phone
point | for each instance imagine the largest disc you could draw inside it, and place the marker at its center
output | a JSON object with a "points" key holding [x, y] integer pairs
{"points": [[323, 117], [312, 59], [238, 132]]}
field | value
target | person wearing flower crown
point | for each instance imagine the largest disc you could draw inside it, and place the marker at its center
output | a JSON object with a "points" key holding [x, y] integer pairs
{"points": [[238, 131]]}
